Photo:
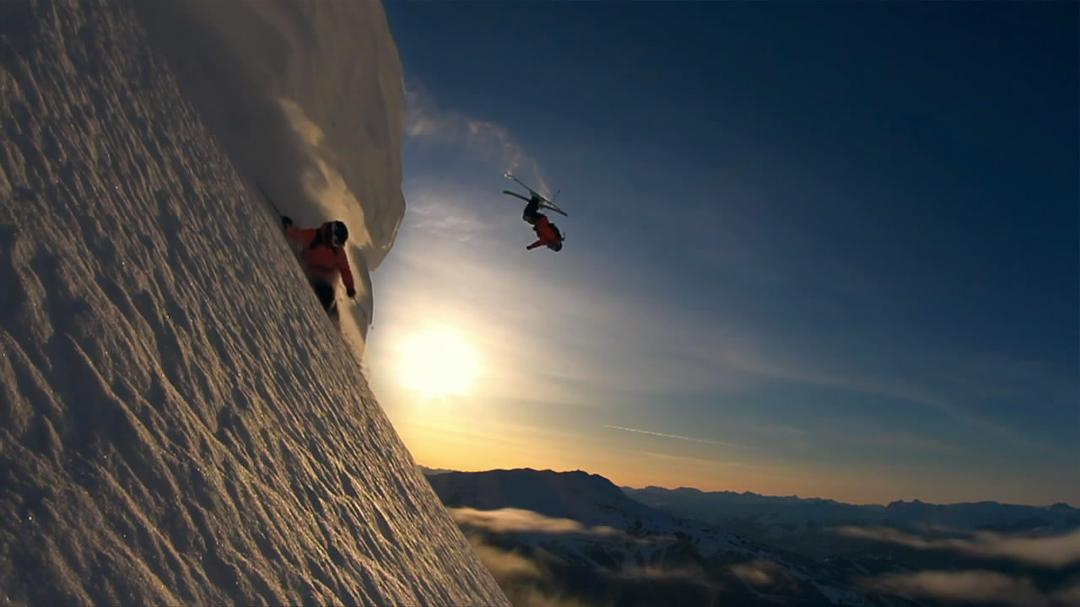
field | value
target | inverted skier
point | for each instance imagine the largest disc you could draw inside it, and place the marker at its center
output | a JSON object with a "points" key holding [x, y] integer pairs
{"points": [[321, 253], [547, 233]]}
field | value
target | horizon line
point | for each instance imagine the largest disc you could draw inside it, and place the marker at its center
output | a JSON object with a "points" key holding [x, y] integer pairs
{"points": [[793, 495]]}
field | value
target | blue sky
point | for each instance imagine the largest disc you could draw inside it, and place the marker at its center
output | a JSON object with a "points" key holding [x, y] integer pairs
{"points": [[825, 249]]}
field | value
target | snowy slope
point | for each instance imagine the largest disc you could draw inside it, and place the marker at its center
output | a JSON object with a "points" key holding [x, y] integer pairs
{"points": [[179, 423]]}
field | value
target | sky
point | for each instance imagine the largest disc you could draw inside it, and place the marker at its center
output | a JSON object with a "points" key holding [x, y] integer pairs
{"points": [[821, 249]]}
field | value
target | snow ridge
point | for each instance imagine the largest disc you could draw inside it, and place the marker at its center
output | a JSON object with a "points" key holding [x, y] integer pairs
{"points": [[307, 100], [179, 422]]}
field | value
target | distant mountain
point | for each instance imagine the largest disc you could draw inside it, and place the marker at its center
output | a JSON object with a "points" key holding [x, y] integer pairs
{"points": [[433, 471], [725, 508], [587, 498], [575, 538], [622, 552], [983, 515]]}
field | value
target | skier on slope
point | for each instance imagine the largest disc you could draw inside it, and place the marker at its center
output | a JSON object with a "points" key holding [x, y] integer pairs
{"points": [[321, 253], [548, 234]]}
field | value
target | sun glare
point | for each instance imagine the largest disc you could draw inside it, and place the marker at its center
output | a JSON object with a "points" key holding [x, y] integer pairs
{"points": [[438, 362]]}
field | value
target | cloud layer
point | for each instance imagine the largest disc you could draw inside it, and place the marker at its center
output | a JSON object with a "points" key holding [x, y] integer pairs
{"points": [[961, 586], [514, 520], [766, 575], [1054, 551], [527, 582]]}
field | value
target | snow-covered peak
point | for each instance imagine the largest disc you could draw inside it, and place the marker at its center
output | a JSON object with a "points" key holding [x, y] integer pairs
{"points": [[179, 421]]}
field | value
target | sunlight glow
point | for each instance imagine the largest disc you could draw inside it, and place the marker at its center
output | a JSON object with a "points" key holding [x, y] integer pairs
{"points": [[438, 362]]}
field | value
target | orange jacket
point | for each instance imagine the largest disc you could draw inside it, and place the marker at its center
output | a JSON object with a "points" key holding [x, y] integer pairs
{"points": [[320, 260], [546, 234]]}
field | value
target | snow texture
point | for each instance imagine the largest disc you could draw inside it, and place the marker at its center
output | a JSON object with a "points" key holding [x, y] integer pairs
{"points": [[179, 421]]}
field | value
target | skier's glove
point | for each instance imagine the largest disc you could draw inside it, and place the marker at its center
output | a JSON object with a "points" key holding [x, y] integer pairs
{"points": [[351, 292], [286, 221]]}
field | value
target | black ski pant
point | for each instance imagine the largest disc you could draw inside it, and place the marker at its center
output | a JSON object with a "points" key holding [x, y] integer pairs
{"points": [[325, 293], [532, 213]]}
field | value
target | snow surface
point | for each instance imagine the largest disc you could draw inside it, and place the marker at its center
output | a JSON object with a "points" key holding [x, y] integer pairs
{"points": [[179, 422]]}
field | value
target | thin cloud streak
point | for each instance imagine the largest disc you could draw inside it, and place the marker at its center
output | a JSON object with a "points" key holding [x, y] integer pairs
{"points": [[767, 363], [676, 437], [714, 463]]}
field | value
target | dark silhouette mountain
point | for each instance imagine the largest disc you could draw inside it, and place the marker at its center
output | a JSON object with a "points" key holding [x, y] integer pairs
{"points": [[624, 552], [587, 498], [727, 507]]}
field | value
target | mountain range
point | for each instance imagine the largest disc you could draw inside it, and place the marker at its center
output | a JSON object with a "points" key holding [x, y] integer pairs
{"points": [[576, 538], [722, 507]]}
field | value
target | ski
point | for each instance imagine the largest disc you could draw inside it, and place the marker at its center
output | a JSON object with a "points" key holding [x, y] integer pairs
{"points": [[544, 203], [544, 200]]}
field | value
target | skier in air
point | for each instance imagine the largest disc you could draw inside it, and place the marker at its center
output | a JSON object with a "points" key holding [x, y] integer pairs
{"points": [[547, 233], [321, 253]]}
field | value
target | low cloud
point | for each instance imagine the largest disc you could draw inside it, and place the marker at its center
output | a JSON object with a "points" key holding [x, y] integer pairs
{"points": [[537, 578], [525, 580], [766, 575], [515, 520], [692, 574], [505, 564], [975, 586], [1054, 551]]}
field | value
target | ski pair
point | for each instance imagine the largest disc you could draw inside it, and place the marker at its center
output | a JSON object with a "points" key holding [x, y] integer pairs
{"points": [[545, 202]]}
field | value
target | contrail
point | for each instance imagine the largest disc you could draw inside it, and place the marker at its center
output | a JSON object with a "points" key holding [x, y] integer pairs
{"points": [[675, 436]]}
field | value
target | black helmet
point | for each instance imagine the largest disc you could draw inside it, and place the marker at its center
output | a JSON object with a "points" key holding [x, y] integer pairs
{"points": [[335, 233]]}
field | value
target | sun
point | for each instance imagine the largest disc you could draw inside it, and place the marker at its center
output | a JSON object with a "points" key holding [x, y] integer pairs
{"points": [[438, 362]]}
